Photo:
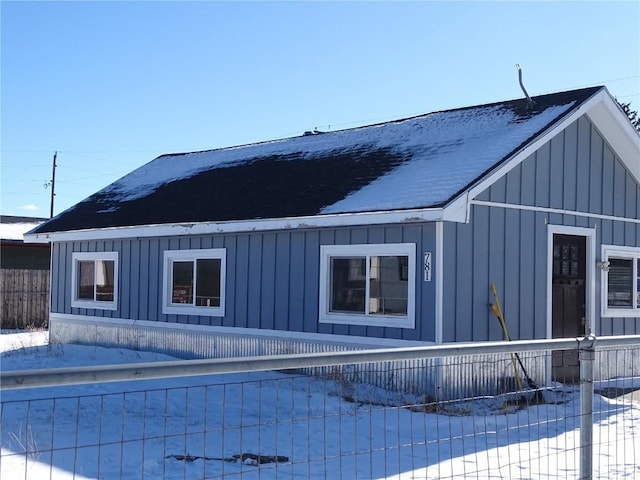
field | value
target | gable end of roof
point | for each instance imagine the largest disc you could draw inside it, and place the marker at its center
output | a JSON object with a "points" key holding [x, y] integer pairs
{"points": [[604, 112]]}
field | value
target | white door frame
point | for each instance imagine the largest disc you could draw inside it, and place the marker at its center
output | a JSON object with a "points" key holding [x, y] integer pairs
{"points": [[590, 286]]}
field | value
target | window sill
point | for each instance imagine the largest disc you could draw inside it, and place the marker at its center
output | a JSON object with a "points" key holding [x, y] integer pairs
{"points": [[621, 313], [94, 305], [192, 310], [368, 320]]}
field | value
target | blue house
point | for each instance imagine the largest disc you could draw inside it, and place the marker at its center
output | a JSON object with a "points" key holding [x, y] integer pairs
{"points": [[384, 235]]}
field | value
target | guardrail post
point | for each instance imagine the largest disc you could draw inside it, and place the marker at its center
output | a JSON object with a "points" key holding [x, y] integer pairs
{"points": [[587, 358]]}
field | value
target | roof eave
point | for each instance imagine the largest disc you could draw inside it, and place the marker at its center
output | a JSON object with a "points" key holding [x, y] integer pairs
{"points": [[244, 226]]}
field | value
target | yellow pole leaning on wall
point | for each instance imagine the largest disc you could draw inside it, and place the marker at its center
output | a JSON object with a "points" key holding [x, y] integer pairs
{"points": [[497, 311]]}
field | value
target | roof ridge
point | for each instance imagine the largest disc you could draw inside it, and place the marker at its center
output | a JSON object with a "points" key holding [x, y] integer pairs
{"points": [[8, 219]]}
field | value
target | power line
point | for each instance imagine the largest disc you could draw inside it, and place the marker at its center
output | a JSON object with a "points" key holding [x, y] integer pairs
{"points": [[22, 165], [72, 152]]}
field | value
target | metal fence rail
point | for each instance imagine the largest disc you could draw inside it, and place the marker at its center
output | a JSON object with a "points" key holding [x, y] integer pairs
{"points": [[261, 418]]}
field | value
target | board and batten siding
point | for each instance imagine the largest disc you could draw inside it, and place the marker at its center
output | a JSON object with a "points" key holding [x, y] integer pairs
{"points": [[577, 170], [272, 278]]}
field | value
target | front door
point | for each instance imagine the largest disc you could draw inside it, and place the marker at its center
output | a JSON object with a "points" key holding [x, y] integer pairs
{"points": [[568, 302]]}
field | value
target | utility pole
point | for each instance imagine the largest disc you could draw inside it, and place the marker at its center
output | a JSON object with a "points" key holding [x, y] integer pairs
{"points": [[53, 182]]}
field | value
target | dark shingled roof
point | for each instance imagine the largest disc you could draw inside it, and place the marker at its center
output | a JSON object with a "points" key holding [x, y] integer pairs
{"points": [[420, 162]]}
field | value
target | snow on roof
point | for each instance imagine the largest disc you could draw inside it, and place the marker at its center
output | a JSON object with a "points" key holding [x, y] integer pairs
{"points": [[14, 228], [419, 162], [448, 149]]}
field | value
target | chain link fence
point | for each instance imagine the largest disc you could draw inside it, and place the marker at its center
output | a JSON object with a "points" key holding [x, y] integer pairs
{"points": [[261, 418]]}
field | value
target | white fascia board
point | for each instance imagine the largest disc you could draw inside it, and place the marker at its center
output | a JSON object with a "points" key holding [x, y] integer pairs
{"points": [[244, 226], [458, 209], [613, 124]]}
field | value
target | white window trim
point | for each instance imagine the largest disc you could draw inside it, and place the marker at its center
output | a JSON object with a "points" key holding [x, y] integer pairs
{"points": [[394, 321], [195, 254], [615, 251], [95, 256]]}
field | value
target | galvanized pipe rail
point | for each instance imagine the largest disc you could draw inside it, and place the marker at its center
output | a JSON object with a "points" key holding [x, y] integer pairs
{"points": [[183, 368], [587, 356]]}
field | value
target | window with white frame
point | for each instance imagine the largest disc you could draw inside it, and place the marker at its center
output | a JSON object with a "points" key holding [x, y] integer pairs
{"points": [[620, 281], [94, 276], [194, 282], [368, 284]]}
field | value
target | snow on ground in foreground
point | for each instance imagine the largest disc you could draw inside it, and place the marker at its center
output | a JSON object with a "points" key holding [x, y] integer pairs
{"points": [[304, 419]]}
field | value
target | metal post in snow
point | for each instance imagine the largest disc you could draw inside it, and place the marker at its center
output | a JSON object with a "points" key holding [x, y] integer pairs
{"points": [[587, 357]]}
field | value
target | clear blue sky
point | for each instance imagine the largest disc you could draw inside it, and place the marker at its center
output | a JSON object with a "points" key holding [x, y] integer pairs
{"points": [[112, 85]]}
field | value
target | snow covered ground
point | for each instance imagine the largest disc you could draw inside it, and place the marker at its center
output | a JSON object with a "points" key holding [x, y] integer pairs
{"points": [[192, 428]]}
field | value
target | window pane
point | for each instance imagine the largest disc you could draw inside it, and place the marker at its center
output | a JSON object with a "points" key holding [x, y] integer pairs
{"points": [[566, 260], [388, 285], [85, 280], [105, 280], [182, 285], [348, 284], [620, 282], [208, 282]]}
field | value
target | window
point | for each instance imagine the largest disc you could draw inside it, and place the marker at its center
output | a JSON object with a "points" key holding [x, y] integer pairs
{"points": [[368, 284], [94, 277], [621, 281], [194, 282]]}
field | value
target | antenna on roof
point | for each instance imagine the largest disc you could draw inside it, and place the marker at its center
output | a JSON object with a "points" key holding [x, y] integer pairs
{"points": [[530, 102], [315, 131]]}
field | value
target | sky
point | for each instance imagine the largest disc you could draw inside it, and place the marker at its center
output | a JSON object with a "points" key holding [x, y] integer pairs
{"points": [[305, 419], [109, 86]]}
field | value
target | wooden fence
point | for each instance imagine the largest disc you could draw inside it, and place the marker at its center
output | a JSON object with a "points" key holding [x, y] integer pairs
{"points": [[25, 298]]}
